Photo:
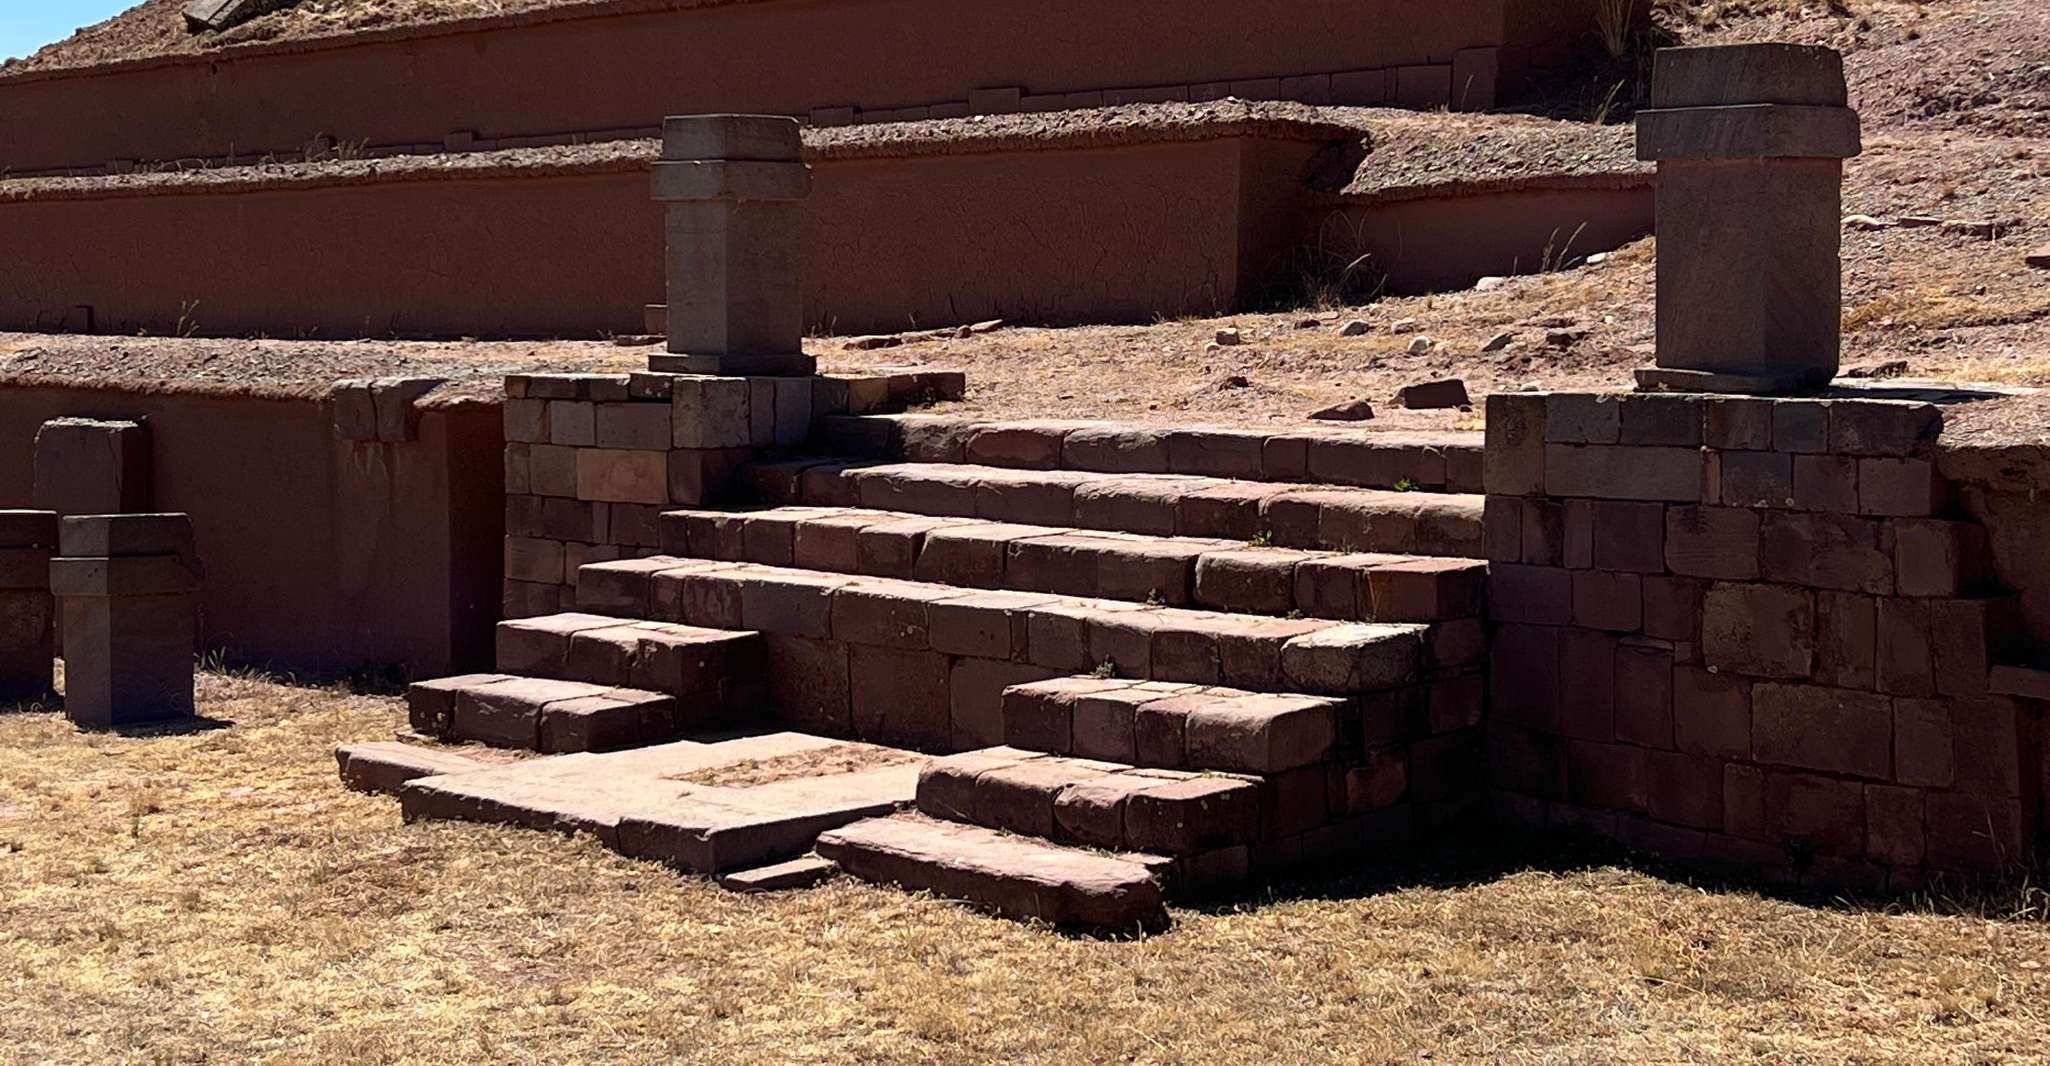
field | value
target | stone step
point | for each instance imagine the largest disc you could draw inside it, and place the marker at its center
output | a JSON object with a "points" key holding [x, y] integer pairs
{"points": [[542, 714], [1437, 462], [925, 665], [804, 871], [1093, 803], [716, 675], [1219, 575], [1020, 878], [1160, 725], [703, 808], [1284, 515], [385, 766]]}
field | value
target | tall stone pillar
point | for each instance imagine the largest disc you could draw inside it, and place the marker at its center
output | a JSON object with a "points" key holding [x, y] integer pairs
{"points": [[734, 186], [1750, 142], [28, 624], [129, 588]]}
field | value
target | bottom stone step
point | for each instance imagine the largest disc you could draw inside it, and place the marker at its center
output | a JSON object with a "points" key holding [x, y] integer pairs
{"points": [[540, 714], [1017, 877], [385, 766], [702, 808]]}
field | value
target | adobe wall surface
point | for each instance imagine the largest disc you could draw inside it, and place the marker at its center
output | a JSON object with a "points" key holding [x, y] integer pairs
{"points": [[528, 79], [321, 554], [1109, 224], [1755, 633], [1437, 244]]}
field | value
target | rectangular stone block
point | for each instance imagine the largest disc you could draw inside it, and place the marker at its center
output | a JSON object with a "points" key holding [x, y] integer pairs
{"points": [[88, 466], [1814, 728], [1711, 713], [1713, 542], [711, 412], [1759, 630], [1827, 551], [1513, 462], [609, 475], [1900, 488], [1624, 472], [128, 659], [1826, 483]]}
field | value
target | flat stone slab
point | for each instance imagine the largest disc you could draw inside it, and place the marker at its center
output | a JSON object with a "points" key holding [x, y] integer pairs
{"points": [[646, 803], [1017, 877], [386, 766], [805, 871]]}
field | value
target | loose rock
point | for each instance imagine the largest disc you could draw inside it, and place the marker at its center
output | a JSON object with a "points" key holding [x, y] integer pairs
{"points": [[1982, 230], [1866, 222], [1891, 368], [1405, 325], [2040, 258], [1359, 328], [1421, 345], [1433, 395], [1229, 337], [869, 344], [1498, 342], [990, 326], [1488, 283], [1349, 411], [1228, 382]]}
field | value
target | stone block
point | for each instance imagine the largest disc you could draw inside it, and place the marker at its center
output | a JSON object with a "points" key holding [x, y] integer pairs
{"points": [[1423, 88], [1881, 427], [1672, 608], [1713, 542], [552, 470], [397, 403], [1905, 656], [1538, 595], [1544, 535], [1662, 419], [128, 658], [1759, 630], [1607, 776], [810, 684], [1923, 743], [1822, 815], [1644, 696], [89, 466], [1738, 423], [1971, 832], [1624, 472], [900, 697], [1800, 426], [1513, 461], [1827, 551], [1907, 488], [1938, 558], [1846, 639], [607, 475], [1608, 601], [1826, 483], [1502, 530], [1753, 73], [711, 412], [1810, 727], [1711, 713], [1582, 418], [1757, 479], [1587, 685], [1685, 789], [1523, 674], [633, 426]]}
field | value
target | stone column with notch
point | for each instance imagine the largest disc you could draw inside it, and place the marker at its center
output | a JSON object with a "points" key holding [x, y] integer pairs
{"points": [[734, 188], [1750, 142], [129, 586]]}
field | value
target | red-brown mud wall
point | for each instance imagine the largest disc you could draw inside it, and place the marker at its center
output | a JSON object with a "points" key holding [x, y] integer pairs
{"points": [[1444, 243], [1121, 234], [546, 76], [321, 555]]}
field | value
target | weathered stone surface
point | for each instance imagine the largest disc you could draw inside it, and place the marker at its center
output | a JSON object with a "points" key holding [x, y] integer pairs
{"points": [[1017, 878], [386, 766], [805, 871], [1759, 630]]}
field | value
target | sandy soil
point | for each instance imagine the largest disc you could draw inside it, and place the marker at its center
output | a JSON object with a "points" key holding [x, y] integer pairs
{"points": [[216, 896]]}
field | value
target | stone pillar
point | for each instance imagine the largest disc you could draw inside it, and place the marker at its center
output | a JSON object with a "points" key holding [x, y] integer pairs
{"points": [[734, 187], [28, 614], [129, 588], [1750, 142], [91, 466]]}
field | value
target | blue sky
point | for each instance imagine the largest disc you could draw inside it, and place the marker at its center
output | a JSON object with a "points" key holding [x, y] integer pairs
{"points": [[26, 25]]}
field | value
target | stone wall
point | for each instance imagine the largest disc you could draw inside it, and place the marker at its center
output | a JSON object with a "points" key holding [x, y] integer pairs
{"points": [[1753, 632], [527, 79]]}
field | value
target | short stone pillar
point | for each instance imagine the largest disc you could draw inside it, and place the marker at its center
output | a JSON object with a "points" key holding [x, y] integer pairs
{"points": [[28, 614], [1750, 142], [734, 186], [128, 585], [92, 466]]}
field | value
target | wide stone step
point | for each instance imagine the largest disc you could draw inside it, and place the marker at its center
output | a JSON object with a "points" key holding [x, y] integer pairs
{"points": [[1018, 877], [702, 808], [1214, 574], [1093, 803], [1168, 726], [1438, 462], [716, 675], [541, 714], [1308, 516], [922, 625]]}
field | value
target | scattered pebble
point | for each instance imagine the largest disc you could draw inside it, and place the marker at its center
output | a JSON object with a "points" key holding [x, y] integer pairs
{"points": [[1564, 338], [869, 344], [990, 326], [1229, 382], [1308, 323], [1433, 395], [1981, 229], [1597, 259], [1405, 325], [1498, 342], [2040, 258], [1488, 283], [1229, 337], [1359, 328], [1421, 345], [1919, 221], [1866, 222], [1349, 411]]}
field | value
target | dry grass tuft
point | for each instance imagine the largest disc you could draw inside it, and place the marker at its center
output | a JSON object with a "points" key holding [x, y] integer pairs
{"points": [[216, 896]]}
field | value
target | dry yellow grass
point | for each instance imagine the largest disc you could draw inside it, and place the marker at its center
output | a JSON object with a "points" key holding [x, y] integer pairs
{"points": [[217, 897]]}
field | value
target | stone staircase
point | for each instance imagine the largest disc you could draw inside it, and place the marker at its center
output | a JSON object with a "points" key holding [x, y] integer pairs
{"points": [[1154, 664]]}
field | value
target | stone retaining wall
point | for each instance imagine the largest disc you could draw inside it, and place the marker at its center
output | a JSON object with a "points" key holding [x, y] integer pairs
{"points": [[1752, 632]]}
